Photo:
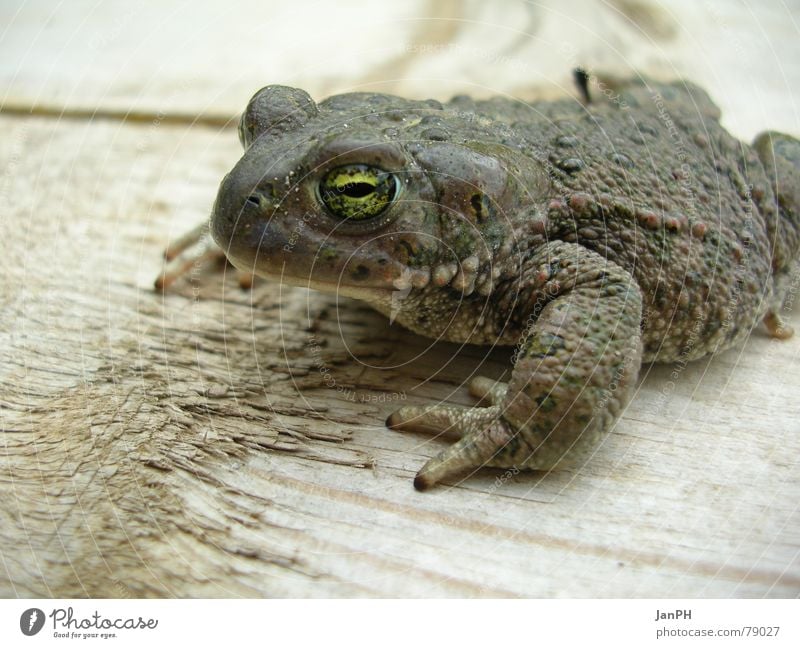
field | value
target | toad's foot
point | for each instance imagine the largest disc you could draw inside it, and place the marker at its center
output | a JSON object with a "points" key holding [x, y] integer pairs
{"points": [[192, 252], [777, 327], [485, 438], [482, 432]]}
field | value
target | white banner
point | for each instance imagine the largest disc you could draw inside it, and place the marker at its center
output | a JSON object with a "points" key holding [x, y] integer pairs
{"points": [[388, 623]]}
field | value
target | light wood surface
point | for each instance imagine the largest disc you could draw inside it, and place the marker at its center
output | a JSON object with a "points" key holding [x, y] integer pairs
{"points": [[220, 442]]}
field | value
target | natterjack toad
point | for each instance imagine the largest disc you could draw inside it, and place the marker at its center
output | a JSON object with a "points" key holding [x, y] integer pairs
{"points": [[592, 237]]}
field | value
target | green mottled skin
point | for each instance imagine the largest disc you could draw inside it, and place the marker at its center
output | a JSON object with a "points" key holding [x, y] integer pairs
{"points": [[592, 237]]}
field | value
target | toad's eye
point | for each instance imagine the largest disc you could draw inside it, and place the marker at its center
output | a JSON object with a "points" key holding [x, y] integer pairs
{"points": [[357, 191]]}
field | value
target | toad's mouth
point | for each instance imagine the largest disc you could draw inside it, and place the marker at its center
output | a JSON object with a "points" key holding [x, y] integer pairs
{"points": [[337, 282]]}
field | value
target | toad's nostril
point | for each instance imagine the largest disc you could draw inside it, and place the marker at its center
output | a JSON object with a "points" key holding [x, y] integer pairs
{"points": [[254, 199]]}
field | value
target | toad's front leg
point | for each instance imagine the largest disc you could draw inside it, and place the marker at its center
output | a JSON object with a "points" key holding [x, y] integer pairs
{"points": [[576, 365], [195, 249]]}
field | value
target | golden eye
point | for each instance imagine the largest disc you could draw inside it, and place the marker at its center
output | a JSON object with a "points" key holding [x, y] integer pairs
{"points": [[357, 191]]}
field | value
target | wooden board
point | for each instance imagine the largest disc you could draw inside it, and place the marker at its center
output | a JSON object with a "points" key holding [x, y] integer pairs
{"points": [[205, 60], [220, 442]]}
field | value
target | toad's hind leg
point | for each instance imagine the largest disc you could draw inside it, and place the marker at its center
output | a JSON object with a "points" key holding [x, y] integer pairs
{"points": [[780, 155]]}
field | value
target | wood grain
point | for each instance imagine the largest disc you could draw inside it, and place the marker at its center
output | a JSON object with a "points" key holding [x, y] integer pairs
{"points": [[220, 442], [205, 60]]}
